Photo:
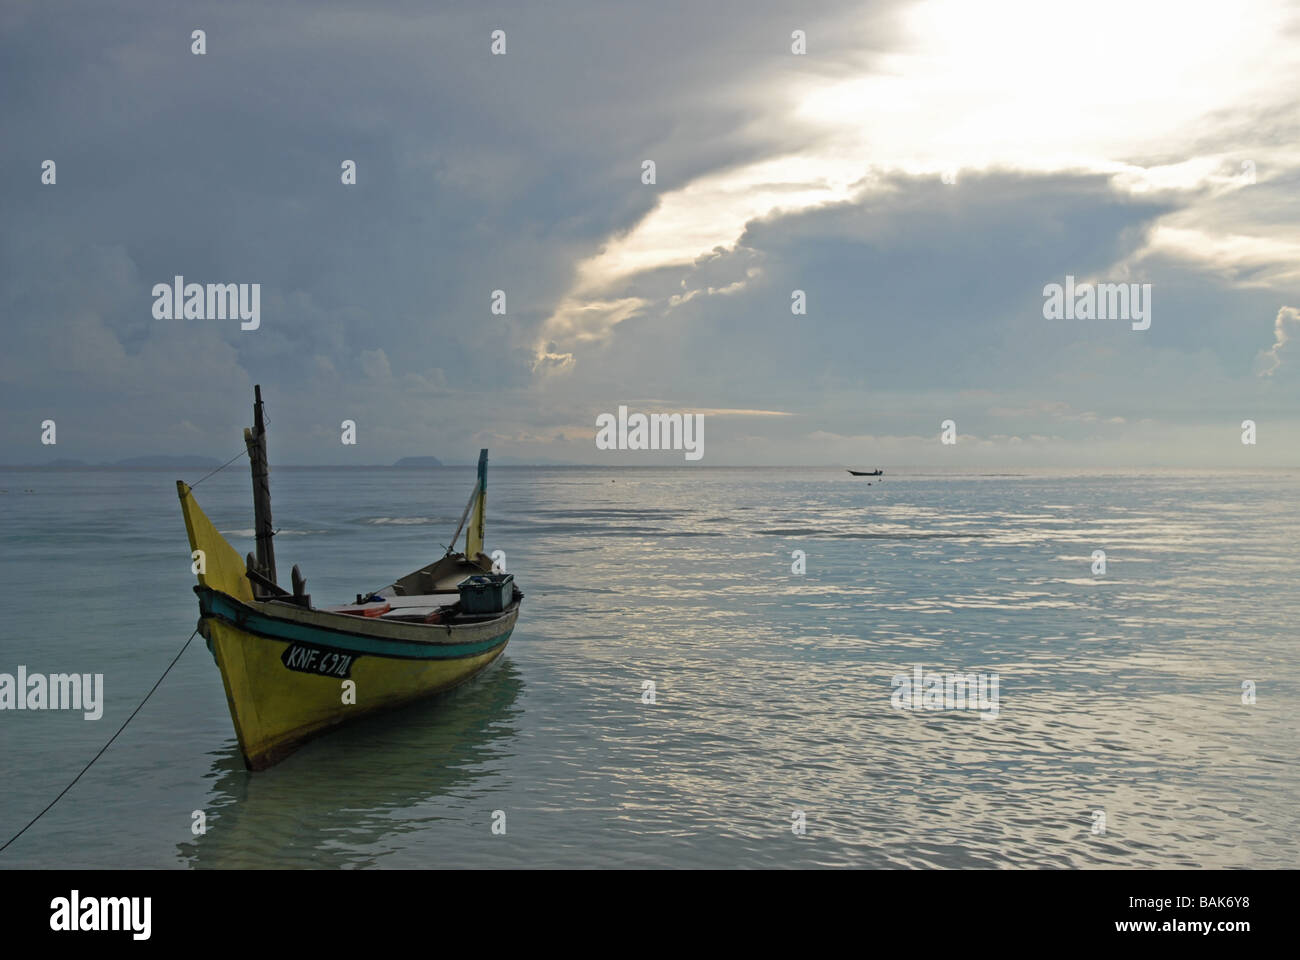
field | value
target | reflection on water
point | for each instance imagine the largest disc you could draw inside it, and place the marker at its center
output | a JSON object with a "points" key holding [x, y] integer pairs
{"points": [[1119, 693], [344, 799]]}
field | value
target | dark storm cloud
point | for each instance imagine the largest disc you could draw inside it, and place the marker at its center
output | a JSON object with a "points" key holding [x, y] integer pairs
{"points": [[478, 173]]}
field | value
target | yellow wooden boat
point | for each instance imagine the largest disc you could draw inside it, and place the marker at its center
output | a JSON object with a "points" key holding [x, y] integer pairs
{"points": [[292, 670]]}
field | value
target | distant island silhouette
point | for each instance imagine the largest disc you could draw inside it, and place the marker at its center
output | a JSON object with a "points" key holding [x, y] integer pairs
{"points": [[193, 462]]}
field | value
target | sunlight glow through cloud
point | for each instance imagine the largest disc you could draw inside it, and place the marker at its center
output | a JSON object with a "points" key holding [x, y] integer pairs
{"points": [[1091, 86]]}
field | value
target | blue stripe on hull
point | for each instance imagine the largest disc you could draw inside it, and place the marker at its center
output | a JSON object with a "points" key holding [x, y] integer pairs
{"points": [[213, 603]]}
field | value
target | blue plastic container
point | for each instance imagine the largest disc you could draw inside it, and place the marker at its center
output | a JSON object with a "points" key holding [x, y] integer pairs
{"points": [[486, 593]]}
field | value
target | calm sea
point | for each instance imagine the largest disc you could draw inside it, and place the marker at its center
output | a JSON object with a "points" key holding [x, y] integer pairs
{"points": [[1121, 737]]}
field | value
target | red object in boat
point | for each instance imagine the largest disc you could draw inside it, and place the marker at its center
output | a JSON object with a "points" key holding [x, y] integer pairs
{"points": [[363, 609]]}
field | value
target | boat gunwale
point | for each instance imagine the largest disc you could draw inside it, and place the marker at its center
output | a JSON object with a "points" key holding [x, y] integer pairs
{"points": [[426, 636]]}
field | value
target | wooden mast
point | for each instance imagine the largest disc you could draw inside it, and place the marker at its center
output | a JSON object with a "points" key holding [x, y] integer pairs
{"points": [[255, 441]]}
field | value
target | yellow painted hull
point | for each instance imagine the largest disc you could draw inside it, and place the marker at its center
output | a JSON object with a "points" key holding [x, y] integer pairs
{"points": [[276, 709], [292, 672]]}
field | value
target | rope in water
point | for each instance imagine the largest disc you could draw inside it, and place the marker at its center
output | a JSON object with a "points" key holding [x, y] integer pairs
{"points": [[104, 747], [184, 647]]}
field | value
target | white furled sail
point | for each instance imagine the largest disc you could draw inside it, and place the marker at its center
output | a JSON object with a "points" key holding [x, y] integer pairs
{"points": [[474, 536]]}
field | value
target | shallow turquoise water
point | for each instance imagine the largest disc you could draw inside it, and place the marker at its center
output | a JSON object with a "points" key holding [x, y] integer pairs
{"points": [[1120, 693]]}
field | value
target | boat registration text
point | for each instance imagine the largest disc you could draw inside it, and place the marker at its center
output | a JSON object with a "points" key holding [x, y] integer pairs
{"points": [[305, 658]]}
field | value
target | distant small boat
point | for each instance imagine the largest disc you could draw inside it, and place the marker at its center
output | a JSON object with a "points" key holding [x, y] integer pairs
{"points": [[867, 473], [292, 671]]}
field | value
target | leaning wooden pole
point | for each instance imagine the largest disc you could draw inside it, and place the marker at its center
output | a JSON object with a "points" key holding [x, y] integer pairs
{"points": [[255, 440]]}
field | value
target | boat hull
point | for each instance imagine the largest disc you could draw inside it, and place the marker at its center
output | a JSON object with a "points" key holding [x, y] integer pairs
{"points": [[292, 674]]}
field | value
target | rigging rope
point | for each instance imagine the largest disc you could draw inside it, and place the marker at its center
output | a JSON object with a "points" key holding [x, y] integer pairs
{"points": [[219, 469]]}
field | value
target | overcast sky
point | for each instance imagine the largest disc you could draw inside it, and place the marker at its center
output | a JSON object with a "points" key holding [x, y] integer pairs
{"points": [[921, 173]]}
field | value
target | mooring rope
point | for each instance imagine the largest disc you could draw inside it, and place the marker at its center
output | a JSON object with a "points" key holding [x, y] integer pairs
{"points": [[104, 747]]}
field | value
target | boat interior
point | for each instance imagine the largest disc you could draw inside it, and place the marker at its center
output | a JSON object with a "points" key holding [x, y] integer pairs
{"points": [[458, 588], [428, 595]]}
